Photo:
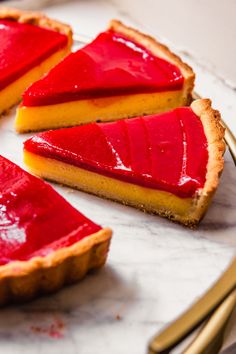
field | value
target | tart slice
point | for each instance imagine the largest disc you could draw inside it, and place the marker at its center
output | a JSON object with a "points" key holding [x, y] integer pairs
{"points": [[122, 73], [167, 164], [31, 44], [44, 242]]}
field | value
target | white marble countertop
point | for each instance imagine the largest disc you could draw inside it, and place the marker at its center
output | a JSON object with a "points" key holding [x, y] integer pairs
{"points": [[155, 268]]}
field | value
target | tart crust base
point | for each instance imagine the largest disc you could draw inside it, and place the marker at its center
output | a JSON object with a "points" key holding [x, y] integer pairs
{"points": [[187, 211], [24, 280]]}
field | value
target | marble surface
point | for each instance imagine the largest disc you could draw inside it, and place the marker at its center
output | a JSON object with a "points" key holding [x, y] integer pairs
{"points": [[155, 269]]}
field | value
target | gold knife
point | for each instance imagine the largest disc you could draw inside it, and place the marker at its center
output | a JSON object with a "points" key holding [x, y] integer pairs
{"points": [[211, 337], [194, 316]]}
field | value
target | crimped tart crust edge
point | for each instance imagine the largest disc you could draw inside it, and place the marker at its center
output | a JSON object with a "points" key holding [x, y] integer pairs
{"points": [[214, 131], [24, 280]]}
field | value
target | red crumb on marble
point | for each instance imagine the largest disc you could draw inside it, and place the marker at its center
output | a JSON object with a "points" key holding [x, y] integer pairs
{"points": [[54, 330]]}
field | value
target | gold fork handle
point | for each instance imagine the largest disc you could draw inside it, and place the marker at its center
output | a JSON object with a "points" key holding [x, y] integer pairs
{"points": [[186, 323], [230, 141], [212, 333]]}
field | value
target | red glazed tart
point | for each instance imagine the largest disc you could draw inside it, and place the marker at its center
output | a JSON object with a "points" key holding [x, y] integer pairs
{"points": [[122, 73], [167, 164], [45, 242], [31, 44]]}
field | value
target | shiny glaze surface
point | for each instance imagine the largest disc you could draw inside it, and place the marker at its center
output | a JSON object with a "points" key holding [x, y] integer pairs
{"points": [[110, 65], [35, 219], [166, 151], [24, 46]]}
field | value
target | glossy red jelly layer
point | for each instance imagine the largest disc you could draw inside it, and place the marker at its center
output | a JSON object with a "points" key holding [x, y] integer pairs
{"points": [[110, 65], [166, 151], [34, 219], [23, 46]]}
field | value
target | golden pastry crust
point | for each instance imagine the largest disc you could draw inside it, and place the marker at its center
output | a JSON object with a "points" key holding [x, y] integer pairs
{"points": [[159, 50], [214, 131], [187, 211], [37, 19], [24, 280]]}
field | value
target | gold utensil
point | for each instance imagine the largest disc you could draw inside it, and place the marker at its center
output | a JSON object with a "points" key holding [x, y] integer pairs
{"points": [[210, 338], [194, 316], [230, 141]]}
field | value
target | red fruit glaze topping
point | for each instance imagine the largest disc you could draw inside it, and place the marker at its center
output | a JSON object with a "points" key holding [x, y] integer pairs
{"points": [[23, 46], [166, 151], [34, 219], [110, 65]]}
